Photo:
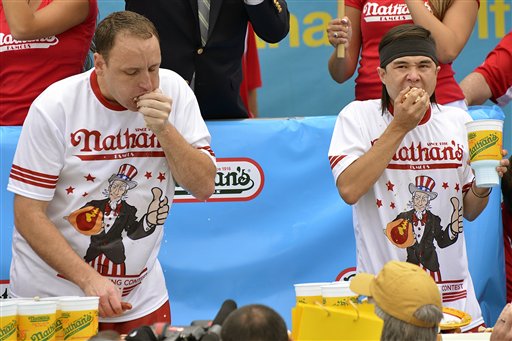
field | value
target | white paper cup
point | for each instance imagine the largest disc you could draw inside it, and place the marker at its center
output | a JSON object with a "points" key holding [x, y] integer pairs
{"points": [[36, 320], [79, 317], [485, 140], [309, 293], [8, 320], [338, 294], [59, 333]]}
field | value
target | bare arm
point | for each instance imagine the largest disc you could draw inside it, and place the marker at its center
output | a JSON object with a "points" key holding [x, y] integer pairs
{"points": [[59, 16], [44, 238], [252, 99], [191, 168], [358, 178], [341, 69], [475, 88], [450, 34]]}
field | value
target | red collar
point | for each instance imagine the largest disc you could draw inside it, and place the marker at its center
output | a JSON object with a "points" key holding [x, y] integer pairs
{"points": [[425, 118], [423, 220], [108, 209], [96, 89]]}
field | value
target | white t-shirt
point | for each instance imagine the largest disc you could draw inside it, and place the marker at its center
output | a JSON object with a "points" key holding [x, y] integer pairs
{"points": [[432, 161], [77, 150]]}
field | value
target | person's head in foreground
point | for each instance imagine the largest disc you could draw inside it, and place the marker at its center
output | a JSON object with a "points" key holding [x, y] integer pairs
{"points": [[406, 298], [254, 322], [127, 58], [408, 61]]}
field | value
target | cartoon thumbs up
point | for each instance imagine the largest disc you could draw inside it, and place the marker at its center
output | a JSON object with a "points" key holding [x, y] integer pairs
{"points": [[456, 221], [157, 209]]}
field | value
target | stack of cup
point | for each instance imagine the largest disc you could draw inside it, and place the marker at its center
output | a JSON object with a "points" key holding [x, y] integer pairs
{"points": [[59, 333], [79, 317], [36, 320], [8, 320], [309, 293], [485, 143], [338, 294]]}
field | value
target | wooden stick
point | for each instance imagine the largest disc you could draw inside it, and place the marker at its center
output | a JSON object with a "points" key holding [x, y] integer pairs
{"points": [[340, 49]]}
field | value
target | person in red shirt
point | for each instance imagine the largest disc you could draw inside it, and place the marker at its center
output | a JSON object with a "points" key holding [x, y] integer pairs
{"points": [[251, 74], [493, 79], [42, 41], [366, 21]]}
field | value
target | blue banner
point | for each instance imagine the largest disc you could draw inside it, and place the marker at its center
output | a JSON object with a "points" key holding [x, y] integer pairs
{"points": [[275, 219]]}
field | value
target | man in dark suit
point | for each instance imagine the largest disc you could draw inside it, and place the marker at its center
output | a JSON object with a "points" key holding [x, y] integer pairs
{"points": [[213, 69]]}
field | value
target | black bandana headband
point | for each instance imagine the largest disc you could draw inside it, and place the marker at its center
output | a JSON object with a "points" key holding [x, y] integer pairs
{"points": [[407, 47]]}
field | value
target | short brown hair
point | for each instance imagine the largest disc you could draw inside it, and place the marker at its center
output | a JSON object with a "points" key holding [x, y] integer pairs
{"points": [[116, 22], [254, 322]]}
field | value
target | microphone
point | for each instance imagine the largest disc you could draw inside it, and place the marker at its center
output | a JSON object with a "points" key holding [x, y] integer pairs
{"points": [[213, 333]]}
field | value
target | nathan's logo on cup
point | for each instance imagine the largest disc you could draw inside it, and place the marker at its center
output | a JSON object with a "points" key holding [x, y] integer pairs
{"points": [[45, 334], [483, 141], [8, 328], [79, 317], [238, 179], [78, 323], [8, 320], [338, 294], [309, 293]]}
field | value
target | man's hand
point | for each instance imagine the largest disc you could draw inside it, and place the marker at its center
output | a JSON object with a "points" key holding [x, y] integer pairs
{"points": [[109, 294], [410, 106], [156, 107]]}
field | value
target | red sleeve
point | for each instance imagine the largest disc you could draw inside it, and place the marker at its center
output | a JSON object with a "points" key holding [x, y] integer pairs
{"points": [[496, 68], [252, 61]]}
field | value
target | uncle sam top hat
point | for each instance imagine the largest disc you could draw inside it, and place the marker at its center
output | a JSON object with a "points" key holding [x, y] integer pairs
{"points": [[125, 174], [424, 184]]}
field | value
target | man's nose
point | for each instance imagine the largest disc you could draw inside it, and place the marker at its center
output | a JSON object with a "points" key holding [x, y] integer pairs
{"points": [[145, 82], [413, 74]]}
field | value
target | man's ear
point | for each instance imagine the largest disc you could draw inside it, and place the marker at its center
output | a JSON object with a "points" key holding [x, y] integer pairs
{"points": [[382, 73], [99, 63]]}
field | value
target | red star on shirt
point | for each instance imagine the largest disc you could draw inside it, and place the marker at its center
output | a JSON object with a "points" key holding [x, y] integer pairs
{"points": [[85, 194], [379, 203], [445, 185], [161, 177], [148, 175], [392, 205], [70, 190], [89, 177], [390, 186], [457, 187]]}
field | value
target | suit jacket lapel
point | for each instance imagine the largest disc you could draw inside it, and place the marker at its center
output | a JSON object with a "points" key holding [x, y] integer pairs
{"points": [[215, 6]]}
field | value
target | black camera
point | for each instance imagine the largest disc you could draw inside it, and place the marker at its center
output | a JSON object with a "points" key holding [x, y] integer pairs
{"points": [[165, 332], [189, 333]]}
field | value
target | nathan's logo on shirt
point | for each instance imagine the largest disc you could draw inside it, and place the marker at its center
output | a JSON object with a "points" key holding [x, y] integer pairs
{"points": [[8, 43], [238, 179], [373, 12], [431, 155], [95, 146]]}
